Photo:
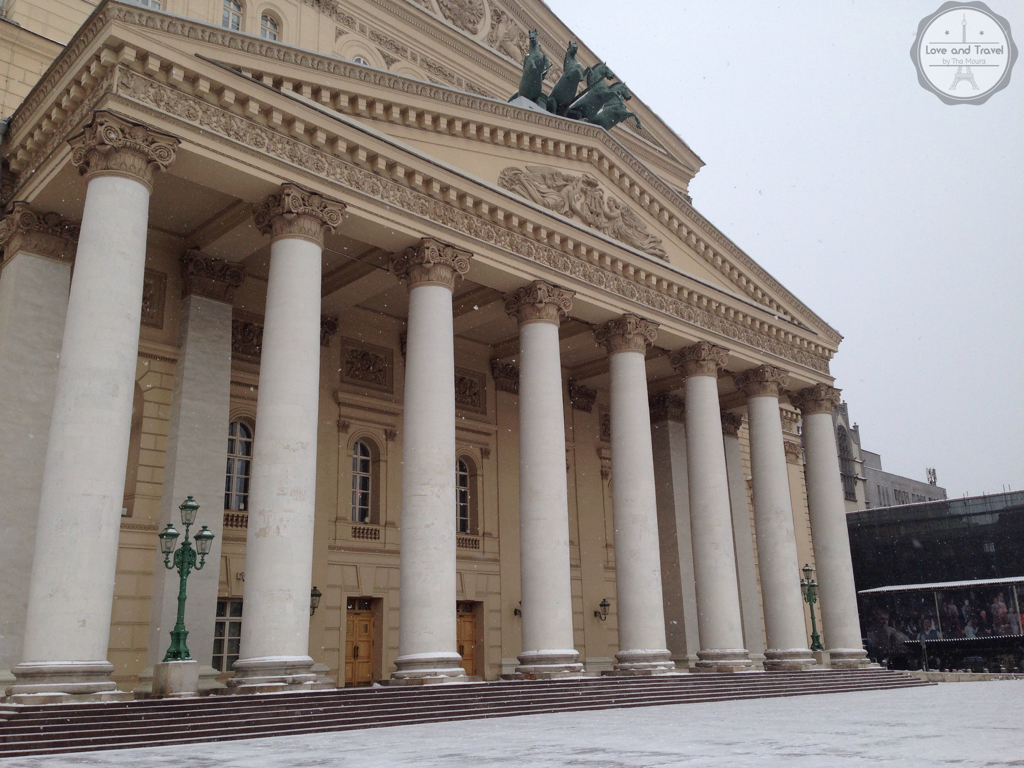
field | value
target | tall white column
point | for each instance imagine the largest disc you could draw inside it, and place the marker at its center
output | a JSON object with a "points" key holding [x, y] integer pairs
{"points": [[72, 590], [38, 249], [196, 453], [773, 519], [279, 543], [827, 509], [743, 539], [714, 559], [427, 632], [642, 645], [543, 496]]}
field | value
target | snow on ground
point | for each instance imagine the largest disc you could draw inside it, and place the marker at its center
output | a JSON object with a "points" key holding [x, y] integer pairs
{"points": [[952, 724]]}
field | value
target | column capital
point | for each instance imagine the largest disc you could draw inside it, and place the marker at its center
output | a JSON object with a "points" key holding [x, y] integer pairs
{"points": [[431, 262], [821, 398], [211, 278], [297, 212], [731, 423], [539, 302], [629, 333], [506, 377], [700, 359], [581, 397], [44, 234], [112, 146], [763, 381], [666, 407]]}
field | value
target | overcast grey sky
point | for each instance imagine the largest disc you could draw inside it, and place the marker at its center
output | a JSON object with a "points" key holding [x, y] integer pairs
{"points": [[897, 218]]}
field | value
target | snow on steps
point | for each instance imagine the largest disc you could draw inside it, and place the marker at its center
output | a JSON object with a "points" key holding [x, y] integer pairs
{"points": [[60, 728]]}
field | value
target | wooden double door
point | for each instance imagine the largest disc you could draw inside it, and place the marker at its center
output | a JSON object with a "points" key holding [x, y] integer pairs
{"points": [[466, 635]]}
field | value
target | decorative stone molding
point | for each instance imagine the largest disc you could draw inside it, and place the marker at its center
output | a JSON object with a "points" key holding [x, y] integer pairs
{"points": [[44, 234], [582, 198], [629, 333], [763, 381], [464, 14], [604, 455], [821, 398], [581, 397], [154, 297], [298, 212], [794, 452], [470, 390], [390, 435], [506, 377], [700, 359], [731, 423], [344, 426], [506, 36], [246, 336], [112, 146], [367, 365], [667, 407], [431, 263], [485, 453], [539, 302], [328, 327], [604, 425], [209, 277]]}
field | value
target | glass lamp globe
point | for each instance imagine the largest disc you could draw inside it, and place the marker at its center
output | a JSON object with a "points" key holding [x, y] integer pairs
{"points": [[204, 540], [168, 538], [188, 511]]}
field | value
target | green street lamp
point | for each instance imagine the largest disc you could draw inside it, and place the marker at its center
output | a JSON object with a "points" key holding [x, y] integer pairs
{"points": [[811, 597], [184, 561]]}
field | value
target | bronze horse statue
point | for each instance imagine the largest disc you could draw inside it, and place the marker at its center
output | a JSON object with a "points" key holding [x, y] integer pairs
{"points": [[564, 92], [535, 69], [596, 96], [614, 112]]}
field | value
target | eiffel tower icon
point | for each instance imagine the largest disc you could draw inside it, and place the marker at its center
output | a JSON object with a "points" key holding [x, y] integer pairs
{"points": [[964, 74]]}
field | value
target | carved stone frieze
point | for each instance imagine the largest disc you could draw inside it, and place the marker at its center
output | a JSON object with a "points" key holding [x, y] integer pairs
{"points": [[628, 333], [763, 381], [263, 142], [328, 327], [112, 146], [44, 234], [539, 302], [667, 407], [298, 212], [581, 197], [506, 377], [794, 452], [431, 263], [700, 359], [467, 15], [731, 423], [154, 296], [821, 398], [581, 396], [246, 336], [367, 365], [390, 435], [604, 425], [470, 390], [506, 36], [209, 277]]}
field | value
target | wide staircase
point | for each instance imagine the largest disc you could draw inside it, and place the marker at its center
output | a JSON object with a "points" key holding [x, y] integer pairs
{"points": [[59, 728]]}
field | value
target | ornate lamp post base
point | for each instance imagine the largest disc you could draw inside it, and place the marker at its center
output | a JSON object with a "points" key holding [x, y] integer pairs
{"points": [[175, 679]]}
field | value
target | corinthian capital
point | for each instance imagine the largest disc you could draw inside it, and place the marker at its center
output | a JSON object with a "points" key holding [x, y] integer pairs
{"points": [[539, 302], [213, 278], [700, 359], [113, 146], [731, 423], [821, 398], [628, 333], [44, 234], [297, 212], [431, 262], [763, 381]]}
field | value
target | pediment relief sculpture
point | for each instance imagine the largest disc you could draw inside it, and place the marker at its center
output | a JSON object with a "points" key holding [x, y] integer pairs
{"points": [[467, 15], [506, 36], [581, 197]]}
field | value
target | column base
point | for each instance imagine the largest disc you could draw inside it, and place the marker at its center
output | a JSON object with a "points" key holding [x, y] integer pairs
{"points": [[544, 665], [850, 658], [428, 668], [642, 662], [57, 682], [724, 660], [271, 674], [789, 660]]}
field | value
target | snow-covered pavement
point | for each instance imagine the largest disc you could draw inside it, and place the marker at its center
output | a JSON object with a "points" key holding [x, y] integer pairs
{"points": [[953, 724]]}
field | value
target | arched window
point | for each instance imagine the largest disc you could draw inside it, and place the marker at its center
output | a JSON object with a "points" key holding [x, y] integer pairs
{"points": [[236, 480], [232, 15], [362, 482], [361, 60], [846, 470], [268, 27], [462, 496]]}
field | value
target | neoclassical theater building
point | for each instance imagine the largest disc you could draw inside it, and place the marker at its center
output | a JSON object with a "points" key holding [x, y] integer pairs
{"points": [[480, 374]]}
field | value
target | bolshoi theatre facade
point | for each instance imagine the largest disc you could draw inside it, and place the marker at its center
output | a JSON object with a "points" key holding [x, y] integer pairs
{"points": [[476, 374]]}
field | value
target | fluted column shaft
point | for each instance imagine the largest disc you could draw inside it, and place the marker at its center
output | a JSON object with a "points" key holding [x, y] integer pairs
{"points": [[786, 634], [642, 645], [279, 543], [427, 632], [827, 510], [543, 496], [71, 595], [714, 562]]}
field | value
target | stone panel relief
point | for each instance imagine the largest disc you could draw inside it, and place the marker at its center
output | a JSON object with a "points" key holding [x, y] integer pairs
{"points": [[246, 336], [506, 36], [154, 296], [367, 365], [471, 390], [506, 377], [582, 198], [467, 15]]}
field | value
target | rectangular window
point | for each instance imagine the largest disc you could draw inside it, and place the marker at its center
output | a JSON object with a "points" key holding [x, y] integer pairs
{"points": [[227, 633]]}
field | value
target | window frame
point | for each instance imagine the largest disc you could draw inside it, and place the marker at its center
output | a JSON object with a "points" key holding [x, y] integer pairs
{"points": [[265, 30], [223, 626], [230, 11], [231, 476]]}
